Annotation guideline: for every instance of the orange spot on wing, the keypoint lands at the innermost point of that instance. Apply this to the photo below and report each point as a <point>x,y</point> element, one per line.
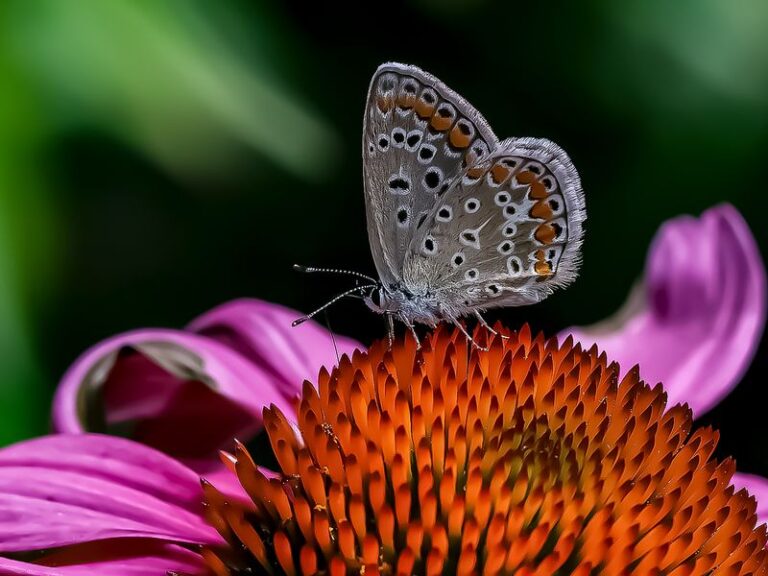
<point>542,268</point>
<point>406,101</point>
<point>545,233</point>
<point>541,210</point>
<point>538,190</point>
<point>384,103</point>
<point>459,139</point>
<point>441,123</point>
<point>476,172</point>
<point>499,173</point>
<point>424,109</point>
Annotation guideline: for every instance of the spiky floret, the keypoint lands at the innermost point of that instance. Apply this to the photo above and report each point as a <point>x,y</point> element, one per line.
<point>530,458</point>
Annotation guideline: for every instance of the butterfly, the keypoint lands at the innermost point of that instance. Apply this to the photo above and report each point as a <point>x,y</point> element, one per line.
<point>458,221</point>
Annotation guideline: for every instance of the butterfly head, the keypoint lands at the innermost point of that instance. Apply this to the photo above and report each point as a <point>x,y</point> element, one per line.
<point>398,301</point>
<point>381,301</point>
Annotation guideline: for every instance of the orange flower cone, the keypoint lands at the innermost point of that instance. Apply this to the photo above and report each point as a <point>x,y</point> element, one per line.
<point>530,458</point>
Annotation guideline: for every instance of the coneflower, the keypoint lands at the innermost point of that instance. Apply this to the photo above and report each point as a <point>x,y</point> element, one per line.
<point>531,458</point>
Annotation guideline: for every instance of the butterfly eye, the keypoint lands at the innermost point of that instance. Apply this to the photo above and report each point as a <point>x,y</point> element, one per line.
<point>509,230</point>
<point>509,211</point>
<point>383,142</point>
<point>493,289</point>
<point>457,259</point>
<point>377,297</point>
<point>471,274</point>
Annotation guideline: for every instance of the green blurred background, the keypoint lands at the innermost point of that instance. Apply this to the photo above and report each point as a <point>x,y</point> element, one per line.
<point>158,158</point>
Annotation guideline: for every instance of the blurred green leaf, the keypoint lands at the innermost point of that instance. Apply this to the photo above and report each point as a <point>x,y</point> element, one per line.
<point>25,232</point>
<point>145,71</point>
<point>722,43</point>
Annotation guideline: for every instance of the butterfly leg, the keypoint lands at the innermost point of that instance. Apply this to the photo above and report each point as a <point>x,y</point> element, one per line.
<point>487,326</point>
<point>412,328</point>
<point>390,330</point>
<point>469,337</point>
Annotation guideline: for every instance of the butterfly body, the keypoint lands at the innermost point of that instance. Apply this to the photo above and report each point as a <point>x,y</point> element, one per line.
<point>458,221</point>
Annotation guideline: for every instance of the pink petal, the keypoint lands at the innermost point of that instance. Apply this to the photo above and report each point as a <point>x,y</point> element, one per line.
<point>263,333</point>
<point>757,486</point>
<point>158,386</point>
<point>185,394</point>
<point>226,482</point>
<point>695,323</point>
<point>112,558</point>
<point>63,490</point>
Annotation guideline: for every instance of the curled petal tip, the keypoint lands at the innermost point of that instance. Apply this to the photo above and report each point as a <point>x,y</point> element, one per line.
<point>695,322</point>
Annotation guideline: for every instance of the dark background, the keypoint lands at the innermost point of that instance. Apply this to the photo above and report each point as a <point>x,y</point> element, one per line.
<point>160,158</point>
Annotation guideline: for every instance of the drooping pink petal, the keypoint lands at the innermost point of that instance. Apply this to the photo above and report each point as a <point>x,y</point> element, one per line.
<point>111,558</point>
<point>69,489</point>
<point>757,486</point>
<point>696,321</point>
<point>262,332</point>
<point>182,393</point>
<point>189,393</point>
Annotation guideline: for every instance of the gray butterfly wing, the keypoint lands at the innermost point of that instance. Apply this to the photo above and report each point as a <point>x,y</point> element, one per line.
<point>418,137</point>
<point>506,234</point>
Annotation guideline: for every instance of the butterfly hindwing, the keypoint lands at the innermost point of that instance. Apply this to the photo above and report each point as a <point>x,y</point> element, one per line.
<point>418,137</point>
<point>507,233</point>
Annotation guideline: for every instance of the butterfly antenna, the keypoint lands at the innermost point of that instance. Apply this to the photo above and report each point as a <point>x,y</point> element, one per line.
<point>311,269</point>
<point>332,302</point>
<point>333,337</point>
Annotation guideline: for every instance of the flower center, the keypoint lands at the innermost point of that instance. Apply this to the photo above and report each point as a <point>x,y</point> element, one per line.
<point>530,458</point>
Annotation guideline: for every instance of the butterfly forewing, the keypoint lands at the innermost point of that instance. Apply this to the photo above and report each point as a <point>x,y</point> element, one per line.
<point>507,233</point>
<point>418,139</point>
